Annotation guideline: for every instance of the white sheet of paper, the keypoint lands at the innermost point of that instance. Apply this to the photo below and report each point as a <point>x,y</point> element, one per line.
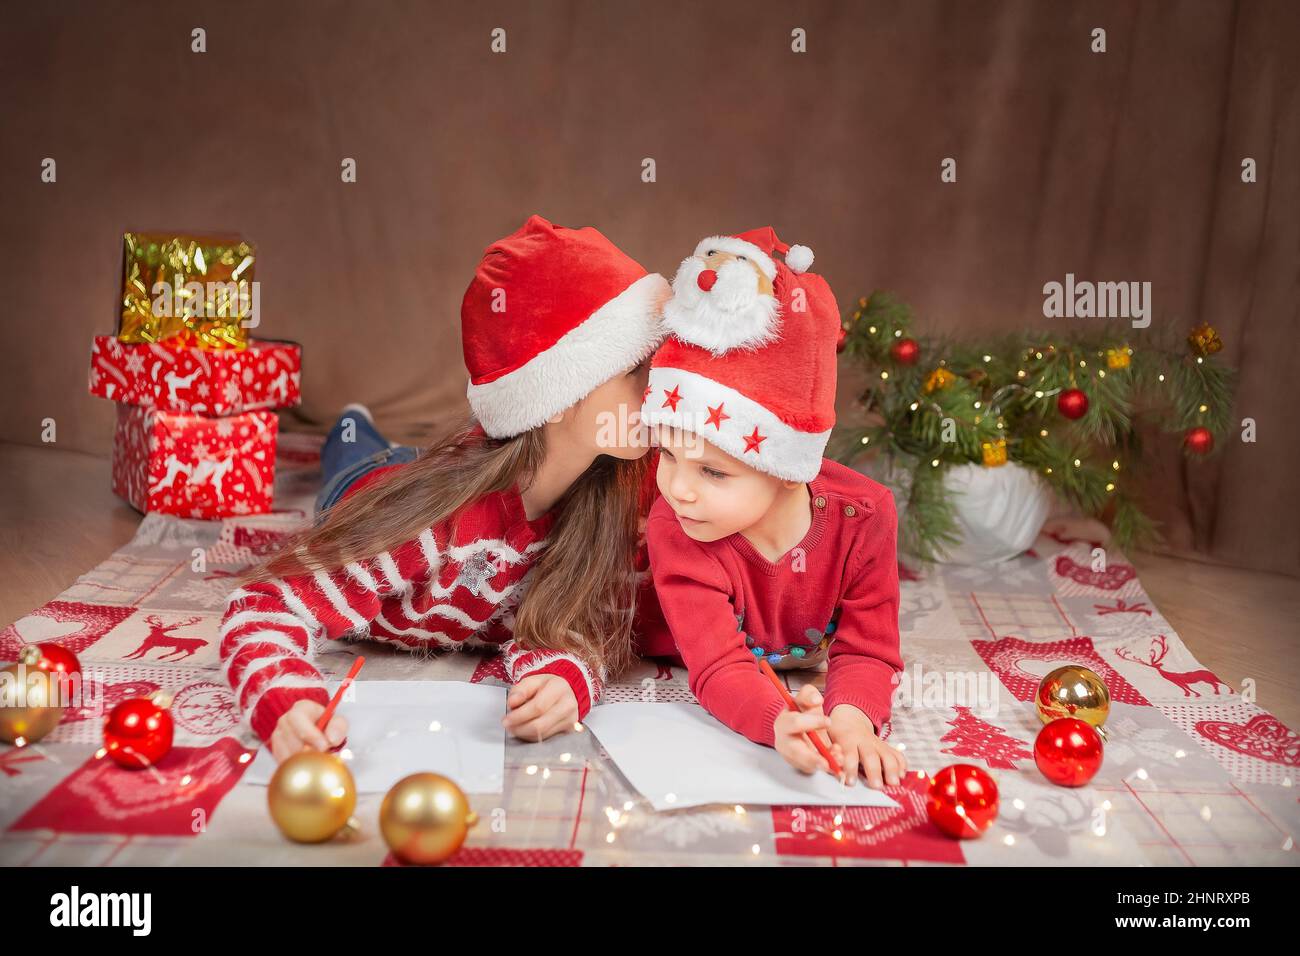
<point>677,755</point>
<point>396,728</point>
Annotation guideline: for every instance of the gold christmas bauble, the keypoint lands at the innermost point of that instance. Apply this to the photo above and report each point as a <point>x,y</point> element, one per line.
<point>311,796</point>
<point>425,818</point>
<point>1073,691</point>
<point>1204,340</point>
<point>31,704</point>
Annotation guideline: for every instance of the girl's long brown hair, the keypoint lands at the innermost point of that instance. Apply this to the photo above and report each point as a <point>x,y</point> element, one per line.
<point>581,592</point>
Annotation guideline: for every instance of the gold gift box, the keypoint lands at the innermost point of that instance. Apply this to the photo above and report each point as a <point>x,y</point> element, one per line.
<point>187,290</point>
<point>994,452</point>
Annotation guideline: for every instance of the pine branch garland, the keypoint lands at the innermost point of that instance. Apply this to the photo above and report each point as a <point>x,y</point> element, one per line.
<point>959,398</point>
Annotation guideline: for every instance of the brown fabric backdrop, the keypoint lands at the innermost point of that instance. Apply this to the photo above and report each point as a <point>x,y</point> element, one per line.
<point>1122,166</point>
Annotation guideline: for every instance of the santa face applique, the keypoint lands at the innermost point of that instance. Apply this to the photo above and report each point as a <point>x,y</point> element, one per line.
<point>722,300</point>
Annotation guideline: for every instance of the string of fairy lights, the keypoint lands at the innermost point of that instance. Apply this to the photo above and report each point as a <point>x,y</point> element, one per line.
<point>1069,407</point>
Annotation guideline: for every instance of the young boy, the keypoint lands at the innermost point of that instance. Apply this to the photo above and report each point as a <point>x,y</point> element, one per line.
<point>759,547</point>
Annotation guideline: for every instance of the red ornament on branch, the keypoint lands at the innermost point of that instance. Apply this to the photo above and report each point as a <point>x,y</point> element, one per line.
<point>1072,403</point>
<point>1068,752</point>
<point>905,351</point>
<point>138,732</point>
<point>842,339</point>
<point>962,801</point>
<point>1199,440</point>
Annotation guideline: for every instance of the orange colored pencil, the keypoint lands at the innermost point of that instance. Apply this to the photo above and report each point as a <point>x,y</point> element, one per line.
<point>338,694</point>
<point>822,749</point>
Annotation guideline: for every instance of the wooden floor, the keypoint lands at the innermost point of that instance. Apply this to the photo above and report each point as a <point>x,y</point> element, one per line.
<point>58,519</point>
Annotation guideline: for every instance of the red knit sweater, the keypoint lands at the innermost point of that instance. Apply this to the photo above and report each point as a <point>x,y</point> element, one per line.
<point>716,594</point>
<point>650,632</point>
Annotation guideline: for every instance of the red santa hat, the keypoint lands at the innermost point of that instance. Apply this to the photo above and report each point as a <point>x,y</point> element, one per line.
<point>551,314</point>
<point>749,364</point>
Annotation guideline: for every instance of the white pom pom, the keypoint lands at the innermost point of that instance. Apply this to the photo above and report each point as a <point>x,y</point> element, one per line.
<point>799,258</point>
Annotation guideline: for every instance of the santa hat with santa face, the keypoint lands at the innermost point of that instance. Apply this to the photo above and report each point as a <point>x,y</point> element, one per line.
<point>750,361</point>
<point>551,314</point>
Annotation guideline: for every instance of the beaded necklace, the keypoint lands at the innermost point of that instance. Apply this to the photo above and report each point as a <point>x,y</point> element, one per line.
<point>816,642</point>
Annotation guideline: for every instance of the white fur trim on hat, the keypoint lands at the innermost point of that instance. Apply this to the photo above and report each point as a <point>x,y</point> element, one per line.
<point>739,247</point>
<point>617,336</point>
<point>785,452</point>
<point>799,258</point>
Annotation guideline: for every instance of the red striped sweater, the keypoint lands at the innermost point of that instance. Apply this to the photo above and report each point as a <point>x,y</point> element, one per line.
<point>428,593</point>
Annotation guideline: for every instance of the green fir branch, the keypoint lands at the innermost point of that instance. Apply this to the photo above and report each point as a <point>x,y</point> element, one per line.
<point>1008,387</point>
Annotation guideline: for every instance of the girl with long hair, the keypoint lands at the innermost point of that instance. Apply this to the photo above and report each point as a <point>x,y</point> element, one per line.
<point>520,529</point>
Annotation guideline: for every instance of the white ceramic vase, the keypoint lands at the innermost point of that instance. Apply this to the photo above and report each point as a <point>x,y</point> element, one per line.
<point>999,510</point>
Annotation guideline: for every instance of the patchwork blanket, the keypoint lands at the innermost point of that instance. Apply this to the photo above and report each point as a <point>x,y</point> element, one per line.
<point>1194,772</point>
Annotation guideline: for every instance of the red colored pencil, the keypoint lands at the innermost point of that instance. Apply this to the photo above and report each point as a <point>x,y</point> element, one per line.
<point>338,695</point>
<point>789,702</point>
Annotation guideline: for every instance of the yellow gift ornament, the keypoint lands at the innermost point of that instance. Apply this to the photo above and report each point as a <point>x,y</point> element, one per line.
<point>994,452</point>
<point>188,290</point>
<point>1119,358</point>
<point>939,378</point>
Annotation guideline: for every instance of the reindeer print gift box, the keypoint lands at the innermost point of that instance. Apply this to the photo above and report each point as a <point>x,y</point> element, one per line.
<point>266,374</point>
<point>192,465</point>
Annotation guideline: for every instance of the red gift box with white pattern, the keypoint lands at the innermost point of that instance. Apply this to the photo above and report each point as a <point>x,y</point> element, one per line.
<point>266,374</point>
<point>192,465</point>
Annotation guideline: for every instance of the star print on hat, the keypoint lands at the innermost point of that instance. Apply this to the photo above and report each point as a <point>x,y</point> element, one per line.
<point>551,314</point>
<point>750,362</point>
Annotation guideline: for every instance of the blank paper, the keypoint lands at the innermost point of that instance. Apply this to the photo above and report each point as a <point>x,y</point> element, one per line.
<point>677,755</point>
<point>396,728</point>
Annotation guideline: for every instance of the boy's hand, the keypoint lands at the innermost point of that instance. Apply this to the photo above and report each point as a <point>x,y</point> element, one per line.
<point>853,731</point>
<point>541,705</point>
<point>296,731</point>
<point>790,728</point>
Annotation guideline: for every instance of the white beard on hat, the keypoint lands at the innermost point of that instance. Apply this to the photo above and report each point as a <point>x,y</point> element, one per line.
<point>734,314</point>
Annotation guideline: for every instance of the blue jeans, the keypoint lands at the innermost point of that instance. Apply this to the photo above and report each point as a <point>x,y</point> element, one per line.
<point>343,462</point>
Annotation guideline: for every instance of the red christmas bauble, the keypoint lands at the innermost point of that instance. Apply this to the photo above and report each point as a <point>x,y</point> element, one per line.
<point>1072,403</point>
<point>905,351</point>
<point>1068,751</point>
<point>1199,440</point>
<point>58,659</point>
<point>962,801</point>
<point>841,339</point>
<point>138,733</point>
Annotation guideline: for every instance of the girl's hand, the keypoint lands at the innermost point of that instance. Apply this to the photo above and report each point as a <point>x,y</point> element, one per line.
<point>541,706</point>
<point>863,750</point>
<point>789,729</point>
<point>296,731</point>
